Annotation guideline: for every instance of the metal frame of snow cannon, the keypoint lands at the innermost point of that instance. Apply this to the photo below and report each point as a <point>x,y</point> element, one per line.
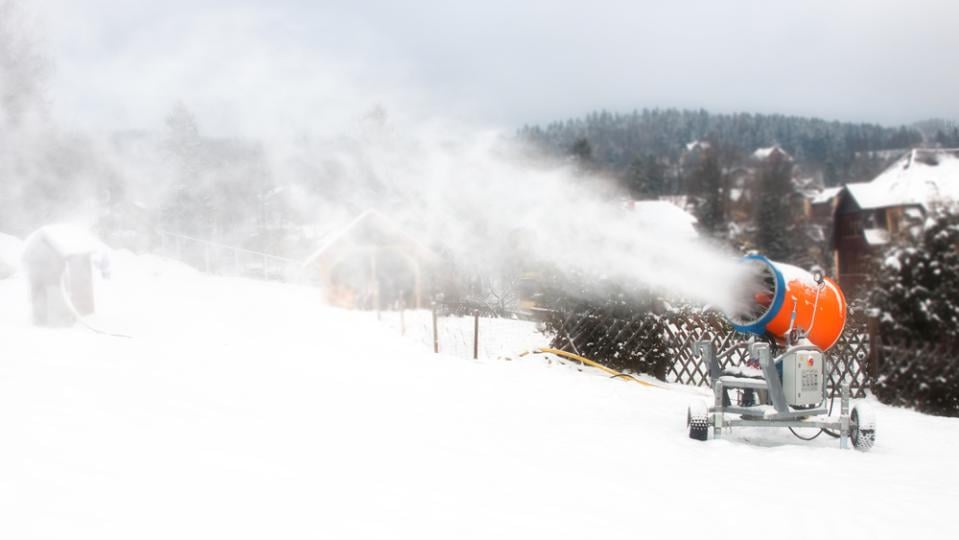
<point>776,413</point>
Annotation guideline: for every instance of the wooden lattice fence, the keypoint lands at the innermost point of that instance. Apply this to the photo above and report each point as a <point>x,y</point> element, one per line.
<point>850,359</point>
<point>662,345</point>
<point>634,343</point>
<point>682,331</point>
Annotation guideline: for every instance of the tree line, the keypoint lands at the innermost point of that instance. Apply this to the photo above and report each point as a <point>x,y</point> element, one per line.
<point>653,140</point>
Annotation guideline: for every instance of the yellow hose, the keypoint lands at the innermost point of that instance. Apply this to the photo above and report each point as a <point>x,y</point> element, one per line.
<point>591,363</point>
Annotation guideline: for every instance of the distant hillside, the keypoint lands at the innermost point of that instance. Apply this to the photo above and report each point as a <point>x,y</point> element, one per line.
<point>615,140</point>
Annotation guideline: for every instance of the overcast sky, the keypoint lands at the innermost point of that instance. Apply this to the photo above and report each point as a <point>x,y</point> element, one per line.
<point>240,63</point>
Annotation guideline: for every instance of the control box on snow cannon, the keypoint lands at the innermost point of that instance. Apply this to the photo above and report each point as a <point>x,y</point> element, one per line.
<point>786,302</point>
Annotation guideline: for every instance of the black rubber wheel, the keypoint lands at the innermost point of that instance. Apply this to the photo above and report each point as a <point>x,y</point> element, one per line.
<point>698,425</point>
<point>862,439</point>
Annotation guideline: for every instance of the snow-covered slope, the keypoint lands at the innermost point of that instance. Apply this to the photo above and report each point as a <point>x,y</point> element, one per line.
<point>248,410</point>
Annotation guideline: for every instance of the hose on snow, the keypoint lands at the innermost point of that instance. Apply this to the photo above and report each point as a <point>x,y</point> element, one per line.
<point>76,314</point>
<point>591,363</point>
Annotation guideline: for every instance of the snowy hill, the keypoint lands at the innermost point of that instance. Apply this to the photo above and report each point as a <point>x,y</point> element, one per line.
<point>240,409</point>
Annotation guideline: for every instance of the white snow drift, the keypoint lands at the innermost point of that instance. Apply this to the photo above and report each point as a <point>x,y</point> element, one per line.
<point>249,410</point>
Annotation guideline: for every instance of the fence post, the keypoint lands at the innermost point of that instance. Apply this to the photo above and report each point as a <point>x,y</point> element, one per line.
<point>662,329</point>
<point>872,326</point>
<point>475,334</point>
<point>436,338</point>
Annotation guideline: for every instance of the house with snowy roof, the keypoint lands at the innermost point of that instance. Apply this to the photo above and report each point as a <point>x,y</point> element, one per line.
<point>769,152</point>
<point>371,262</point>
<point>867,215</point>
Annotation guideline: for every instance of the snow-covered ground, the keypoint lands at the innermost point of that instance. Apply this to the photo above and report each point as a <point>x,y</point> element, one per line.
<point>240,409</point>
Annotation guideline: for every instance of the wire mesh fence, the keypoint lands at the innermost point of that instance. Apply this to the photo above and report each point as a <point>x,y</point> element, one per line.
<point>221,259</point>
<point>920,375</point>
<point>465,336</point>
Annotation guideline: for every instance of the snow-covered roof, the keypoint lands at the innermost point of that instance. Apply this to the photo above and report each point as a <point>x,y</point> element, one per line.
<point>920,177</point>
<point>697,145</point>
<point>69,240</point>
<point>379,221</point>
<point>663,215</point>
<point>809,186</point>
<point>826,195</point>
<point>680,201</point>
<point>763,154</point>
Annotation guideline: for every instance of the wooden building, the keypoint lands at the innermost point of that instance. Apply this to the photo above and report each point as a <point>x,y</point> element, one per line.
<point>867,216</point>
<point>372,263</point>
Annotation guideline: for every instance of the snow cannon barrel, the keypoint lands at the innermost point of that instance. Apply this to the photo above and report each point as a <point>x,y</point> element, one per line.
<point>777,298</point>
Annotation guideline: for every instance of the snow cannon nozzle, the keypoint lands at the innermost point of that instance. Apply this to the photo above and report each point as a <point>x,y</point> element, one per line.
<point>788,302</point>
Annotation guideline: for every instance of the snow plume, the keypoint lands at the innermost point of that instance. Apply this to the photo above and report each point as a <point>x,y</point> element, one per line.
<point>337,130</point>
<point>46,173</point>
<point>483,198</point>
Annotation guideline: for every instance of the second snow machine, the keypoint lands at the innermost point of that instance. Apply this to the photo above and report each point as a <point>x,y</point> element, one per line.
<point>805,312</point>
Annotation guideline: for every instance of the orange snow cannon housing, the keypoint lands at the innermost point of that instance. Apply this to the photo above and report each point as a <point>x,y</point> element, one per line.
<point>779,298</point>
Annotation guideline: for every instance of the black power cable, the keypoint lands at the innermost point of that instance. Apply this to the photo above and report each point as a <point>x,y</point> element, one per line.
<point>800,437</point>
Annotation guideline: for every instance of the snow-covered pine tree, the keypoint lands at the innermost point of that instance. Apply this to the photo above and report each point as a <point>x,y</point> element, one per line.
<point>582,153</point>
<point>774,214</point>
<point>708,177</point>
<point>916,287</point>
<point>646,178</point>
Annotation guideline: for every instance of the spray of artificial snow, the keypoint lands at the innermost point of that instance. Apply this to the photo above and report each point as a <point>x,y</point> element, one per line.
<point>474,194</point>
<point>479,197</point>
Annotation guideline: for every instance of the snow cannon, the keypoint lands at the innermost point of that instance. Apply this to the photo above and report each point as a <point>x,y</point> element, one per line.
<point>788,303</point>
<point>806,313</point>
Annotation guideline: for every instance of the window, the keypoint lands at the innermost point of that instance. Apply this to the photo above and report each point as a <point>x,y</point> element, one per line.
<point>850,226</point>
